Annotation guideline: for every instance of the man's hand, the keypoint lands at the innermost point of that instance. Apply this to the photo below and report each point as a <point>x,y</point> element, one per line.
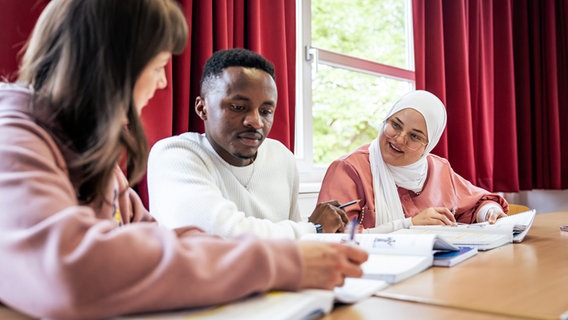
<point>331,218</point>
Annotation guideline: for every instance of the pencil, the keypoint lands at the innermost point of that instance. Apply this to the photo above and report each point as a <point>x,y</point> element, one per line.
<point>350,203</point>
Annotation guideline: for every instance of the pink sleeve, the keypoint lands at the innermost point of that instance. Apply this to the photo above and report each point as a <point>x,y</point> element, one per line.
<point>453,191</point>
<point>471,198</point>
<point>63,260</point>
<point>349,178</point>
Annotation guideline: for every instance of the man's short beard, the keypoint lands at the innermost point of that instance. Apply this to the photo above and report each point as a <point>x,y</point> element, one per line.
<point>243,157</point>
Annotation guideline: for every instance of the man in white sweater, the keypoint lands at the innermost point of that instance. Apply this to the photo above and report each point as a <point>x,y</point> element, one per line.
<point>232,179</point>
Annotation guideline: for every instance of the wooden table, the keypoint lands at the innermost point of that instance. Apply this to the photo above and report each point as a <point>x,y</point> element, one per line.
<point>522,280</point>
<point>392,309</point>
<point>10,314</point>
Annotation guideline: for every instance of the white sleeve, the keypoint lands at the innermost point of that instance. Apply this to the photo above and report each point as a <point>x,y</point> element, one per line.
<point>295,214</point>
<point>482,212</point>
<point>391,226</point>
<point>184,189</point>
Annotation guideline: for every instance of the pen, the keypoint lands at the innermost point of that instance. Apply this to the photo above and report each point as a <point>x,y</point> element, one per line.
<point>352,231</point>
<point>350,203</point>
<point>352,227</point>
<point>454,214</point>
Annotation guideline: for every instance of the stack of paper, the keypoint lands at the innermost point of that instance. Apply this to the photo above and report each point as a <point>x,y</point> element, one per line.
<point>483,236</point>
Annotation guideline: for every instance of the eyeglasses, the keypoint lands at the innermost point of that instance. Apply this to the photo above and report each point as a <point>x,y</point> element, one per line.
<point>413,141</point>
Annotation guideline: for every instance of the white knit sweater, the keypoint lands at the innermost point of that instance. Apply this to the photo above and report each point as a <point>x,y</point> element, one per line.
<point>190,184</point>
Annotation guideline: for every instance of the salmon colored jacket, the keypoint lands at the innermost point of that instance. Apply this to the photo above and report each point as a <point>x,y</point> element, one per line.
<point>63,260</point>
<point>349,178</point>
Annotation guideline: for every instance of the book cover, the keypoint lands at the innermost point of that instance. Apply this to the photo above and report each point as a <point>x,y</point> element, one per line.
<point>451,258</point>
<point>276,305</point>
<point>357,289</point>
<point>521,222</point>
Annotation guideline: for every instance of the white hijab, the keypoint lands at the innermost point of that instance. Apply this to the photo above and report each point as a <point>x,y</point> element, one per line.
<point>386,178</point>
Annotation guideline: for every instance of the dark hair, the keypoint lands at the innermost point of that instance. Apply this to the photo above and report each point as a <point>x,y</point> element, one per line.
<point>82,60</point>
<point>237,57</point>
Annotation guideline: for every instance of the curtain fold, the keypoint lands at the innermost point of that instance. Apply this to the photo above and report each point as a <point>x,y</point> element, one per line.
<point>500,67</point>
<point>17,19</point>
<point>505,167</point>
<point>265,26</point>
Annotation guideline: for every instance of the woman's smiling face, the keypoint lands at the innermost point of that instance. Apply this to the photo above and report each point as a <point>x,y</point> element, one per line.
<point>394,150</point>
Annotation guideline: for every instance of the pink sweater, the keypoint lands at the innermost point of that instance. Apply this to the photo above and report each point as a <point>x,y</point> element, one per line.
<point>63,260</point>
<point>349,178</point>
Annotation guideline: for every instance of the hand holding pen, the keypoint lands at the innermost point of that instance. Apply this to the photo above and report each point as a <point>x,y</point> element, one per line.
<point>434,216</point>
<point>329,216</point>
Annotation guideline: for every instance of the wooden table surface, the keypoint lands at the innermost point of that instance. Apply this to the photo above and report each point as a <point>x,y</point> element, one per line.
<point>525,280</point>
<point>522,280</point>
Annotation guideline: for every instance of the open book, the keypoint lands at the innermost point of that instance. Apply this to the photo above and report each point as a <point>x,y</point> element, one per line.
<point>483,236</point>
<point>277,305</point>
<point>392,257</point>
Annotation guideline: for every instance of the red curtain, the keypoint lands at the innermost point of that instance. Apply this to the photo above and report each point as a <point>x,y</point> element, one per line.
<point>264,26</point>
<point>17,19</point>
<point>500,67</point>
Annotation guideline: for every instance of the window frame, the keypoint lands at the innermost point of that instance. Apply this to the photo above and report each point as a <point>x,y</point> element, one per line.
<point>308,57</point>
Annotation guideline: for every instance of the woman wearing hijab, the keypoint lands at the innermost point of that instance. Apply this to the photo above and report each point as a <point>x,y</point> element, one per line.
<point>400,183</point>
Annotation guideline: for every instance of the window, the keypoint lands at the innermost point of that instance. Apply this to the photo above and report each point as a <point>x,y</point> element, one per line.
<point>355,59</point>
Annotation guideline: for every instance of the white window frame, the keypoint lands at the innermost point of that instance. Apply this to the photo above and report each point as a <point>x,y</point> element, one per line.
<point>308,57</point>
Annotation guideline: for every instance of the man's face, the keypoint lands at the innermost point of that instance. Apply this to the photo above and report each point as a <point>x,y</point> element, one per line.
<point>238,110</point>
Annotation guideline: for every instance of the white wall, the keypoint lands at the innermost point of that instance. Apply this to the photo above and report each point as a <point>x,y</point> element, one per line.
<point>307,202</point>
<point>541,200</point>
<point>307,199</point>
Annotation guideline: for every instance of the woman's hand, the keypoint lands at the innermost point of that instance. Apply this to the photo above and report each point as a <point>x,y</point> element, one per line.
<point>325,265</point>
<point>493,214</point>
<point>434,216</point>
